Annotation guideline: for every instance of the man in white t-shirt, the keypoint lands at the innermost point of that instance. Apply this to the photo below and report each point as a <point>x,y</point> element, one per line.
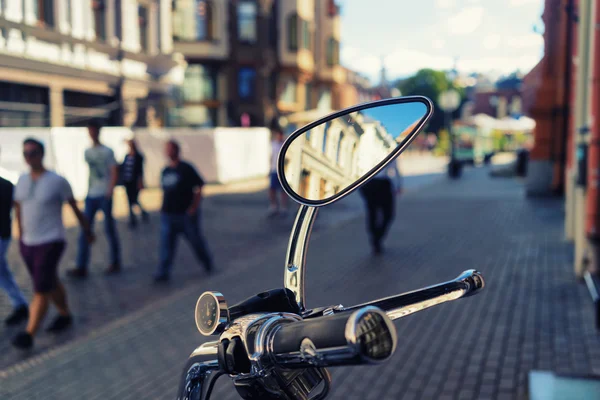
<point>39,197</point>
<point>102,181</point>
<point>274,184</point>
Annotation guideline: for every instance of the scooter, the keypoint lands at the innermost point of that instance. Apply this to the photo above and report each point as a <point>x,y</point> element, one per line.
<point>271,345</point>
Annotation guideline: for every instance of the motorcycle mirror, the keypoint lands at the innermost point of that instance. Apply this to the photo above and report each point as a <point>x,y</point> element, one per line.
<point>333,156</point>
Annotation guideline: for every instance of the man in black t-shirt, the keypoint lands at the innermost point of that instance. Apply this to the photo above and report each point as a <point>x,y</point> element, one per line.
<point>180,212</point>
<point>7,282</point>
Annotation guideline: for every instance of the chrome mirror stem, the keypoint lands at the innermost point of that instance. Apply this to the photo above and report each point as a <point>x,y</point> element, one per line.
<point>295,270</point>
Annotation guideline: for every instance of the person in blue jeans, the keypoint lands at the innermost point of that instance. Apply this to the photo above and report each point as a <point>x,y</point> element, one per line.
<point>180,212</point>
<point>103,178</point>
<point>274,184</point>
<point>7,282</point>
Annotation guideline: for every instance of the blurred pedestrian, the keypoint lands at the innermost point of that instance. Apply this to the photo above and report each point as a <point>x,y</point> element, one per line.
<point>379,194</point>
<point>102,180</point>
<point>180,212</point>
<point>274,184</point>
<point>7,281</point>
<point>39,198</point>
<point>132,178</point>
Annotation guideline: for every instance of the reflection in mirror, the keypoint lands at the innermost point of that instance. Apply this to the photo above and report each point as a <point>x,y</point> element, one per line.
<point>330,157</point>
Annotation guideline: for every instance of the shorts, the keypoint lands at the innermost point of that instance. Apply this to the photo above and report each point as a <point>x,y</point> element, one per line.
<point>42,263</point>
<point>274,182</point>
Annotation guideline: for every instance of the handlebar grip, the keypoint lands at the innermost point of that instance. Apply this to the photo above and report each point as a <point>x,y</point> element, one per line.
<point>364,336</point>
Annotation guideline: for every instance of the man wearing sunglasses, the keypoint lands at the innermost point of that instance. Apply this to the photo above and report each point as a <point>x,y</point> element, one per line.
<point>39,198</point>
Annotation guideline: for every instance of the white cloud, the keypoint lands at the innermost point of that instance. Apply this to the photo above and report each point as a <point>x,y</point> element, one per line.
<point>402,62</point>
<point>465,21</point>
<point>445,3</point>
<point>502,65</point>
<point>519,3</point>
<point>525,41</point>
<point>348,52</point>
<point>492,42</point>
<point>438,43</point>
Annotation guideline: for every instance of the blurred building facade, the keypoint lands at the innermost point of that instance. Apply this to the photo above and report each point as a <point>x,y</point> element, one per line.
<point>355,88</point>
<point>65,61</point>
<point>251,62</point>
<point>563,94</point>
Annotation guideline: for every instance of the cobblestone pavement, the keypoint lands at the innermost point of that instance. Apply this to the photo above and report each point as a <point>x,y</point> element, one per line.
<point>532,314</point>
<point>236,227</point>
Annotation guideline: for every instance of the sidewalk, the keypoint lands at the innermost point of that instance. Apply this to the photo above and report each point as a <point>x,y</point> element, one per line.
<point>531,315</point>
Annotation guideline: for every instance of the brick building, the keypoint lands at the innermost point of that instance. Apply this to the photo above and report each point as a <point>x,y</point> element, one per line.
<point>251,61</point>
<point>64,61</point>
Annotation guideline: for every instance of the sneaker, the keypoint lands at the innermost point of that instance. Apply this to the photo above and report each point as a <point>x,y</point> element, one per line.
<point>19,315</point>
<point>23,341</point>
<point>78,273</point>
<point>113,269</point>
<point>60,323</point>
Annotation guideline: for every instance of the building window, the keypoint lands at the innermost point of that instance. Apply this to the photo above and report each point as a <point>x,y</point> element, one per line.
<point>292,26</point>
<point>246,15</point>
<point>339,148</point>
<point>143,26</point>
<point>324,102</point>
<point>200,84</point>
<point>332,8</point>
<point>306,35</point>
<point>98,9</point>
<point>194,116</point>
<point>333,52</point>
<point>308,96</point>
<point>325,133</point>
<point>44,12</point>
<point>193,20</point>
<point>289,92</point>
<point>205,20</point>
<point>246,83</point>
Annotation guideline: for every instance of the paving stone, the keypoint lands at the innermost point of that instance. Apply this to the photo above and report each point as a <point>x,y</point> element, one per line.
<point>139,341</point>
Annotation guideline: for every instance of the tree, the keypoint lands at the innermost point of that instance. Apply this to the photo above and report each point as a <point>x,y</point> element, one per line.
<point>431,83</point>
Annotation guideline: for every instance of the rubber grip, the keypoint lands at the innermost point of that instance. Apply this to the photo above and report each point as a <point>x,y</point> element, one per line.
<point>325,332</point>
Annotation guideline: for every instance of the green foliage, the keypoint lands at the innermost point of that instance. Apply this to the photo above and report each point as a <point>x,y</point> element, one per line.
<point>443,144</point>
<point>431,83</point>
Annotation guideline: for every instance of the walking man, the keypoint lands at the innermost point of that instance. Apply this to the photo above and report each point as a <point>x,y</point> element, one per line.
<point>39,198</point>
<point>132,178</point>
<point>274,184</point>
<point>102,181</point>
<point>7,282</point>
<point>180,212</point>
<point>379,194</point>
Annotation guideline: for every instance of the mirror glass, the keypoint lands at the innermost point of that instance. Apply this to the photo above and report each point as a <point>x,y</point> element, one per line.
<point>325,160</point>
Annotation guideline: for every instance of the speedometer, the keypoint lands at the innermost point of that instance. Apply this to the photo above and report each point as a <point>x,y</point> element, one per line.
<point>212,314</point>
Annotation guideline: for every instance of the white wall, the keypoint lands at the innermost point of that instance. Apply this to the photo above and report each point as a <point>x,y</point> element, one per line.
<point>221,155</point>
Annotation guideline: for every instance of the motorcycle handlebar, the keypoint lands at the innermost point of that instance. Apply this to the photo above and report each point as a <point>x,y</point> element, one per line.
<point>365,336</point>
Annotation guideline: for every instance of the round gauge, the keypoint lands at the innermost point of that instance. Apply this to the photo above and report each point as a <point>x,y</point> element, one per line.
<point>212,314</point>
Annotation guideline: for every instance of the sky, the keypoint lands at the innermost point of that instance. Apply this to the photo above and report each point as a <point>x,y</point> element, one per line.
<point>490,36</point>
<point>397,117</point>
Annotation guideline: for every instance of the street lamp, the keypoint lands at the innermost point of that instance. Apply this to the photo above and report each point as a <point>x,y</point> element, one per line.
<point>449,101</point>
